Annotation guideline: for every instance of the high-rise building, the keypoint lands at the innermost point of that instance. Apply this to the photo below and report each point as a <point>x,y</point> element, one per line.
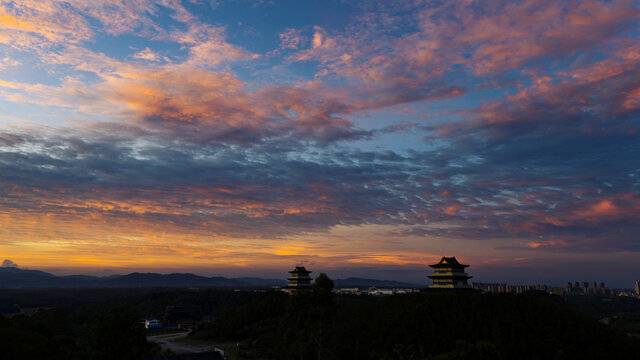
<point>638,288</point>
<point>299,279</point>
<point>449,274</point>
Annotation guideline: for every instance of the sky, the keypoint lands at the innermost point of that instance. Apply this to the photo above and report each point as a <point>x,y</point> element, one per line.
<point>356,138</point>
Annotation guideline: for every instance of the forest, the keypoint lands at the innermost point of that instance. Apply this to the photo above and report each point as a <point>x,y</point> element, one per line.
<point>96,323</point>
<point>427,325</point>
<point>317,324</point>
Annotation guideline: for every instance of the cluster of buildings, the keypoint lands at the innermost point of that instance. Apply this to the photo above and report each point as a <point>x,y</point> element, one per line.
<point>584,288</point>
<point>570,289</point>
<point>635,292</point>
<point>495,288</point>
<point>450,274</point>
<point>374,291</point>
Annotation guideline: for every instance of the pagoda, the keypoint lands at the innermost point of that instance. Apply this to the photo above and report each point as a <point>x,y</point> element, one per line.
<point>449,274</point>
<point>299,279</point>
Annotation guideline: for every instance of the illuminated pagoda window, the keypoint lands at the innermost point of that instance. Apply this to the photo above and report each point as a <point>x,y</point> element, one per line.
<point>299,279</point>
<point>449,274</point>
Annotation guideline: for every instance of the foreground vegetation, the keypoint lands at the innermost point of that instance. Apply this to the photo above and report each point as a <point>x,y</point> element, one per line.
<point>104,324</point>
<point>427,325</point>
<point>45,334</point>
<point>96,323</point>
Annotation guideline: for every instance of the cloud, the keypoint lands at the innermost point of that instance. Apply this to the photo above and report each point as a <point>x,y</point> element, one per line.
<point>290,38</point>
<point>146,54</point>
<point>505,35</point>
<point>197,98</point>
<point>524,189</point>
<point>76,178</point>
<point>194,98</point>
<point>593,98</point>
<point>207,46</point>
<point>479,39</point>
<point>533,146</point>
<point>28,24</point>
<point>125,16</point>
<point>193,103</point>
<point>44,24</point>
<point>6,263</point>
<point>8,62</point>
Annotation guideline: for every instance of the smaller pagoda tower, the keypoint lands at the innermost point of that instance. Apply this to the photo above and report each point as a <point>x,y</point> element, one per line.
<point>299,279</point>
<point>449,274</point>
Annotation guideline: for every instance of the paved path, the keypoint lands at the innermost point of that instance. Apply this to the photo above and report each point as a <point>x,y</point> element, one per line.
<point>167,341</point>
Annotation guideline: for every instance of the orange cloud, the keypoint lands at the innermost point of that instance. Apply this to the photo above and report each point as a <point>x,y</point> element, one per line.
<point>632,99</point>
<point>41,23</point>
<point>453,209</point>
<point>546,244</point>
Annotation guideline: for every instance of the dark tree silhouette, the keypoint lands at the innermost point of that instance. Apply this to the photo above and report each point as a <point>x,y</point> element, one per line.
<point>323,284</point>
<point>118,334</point>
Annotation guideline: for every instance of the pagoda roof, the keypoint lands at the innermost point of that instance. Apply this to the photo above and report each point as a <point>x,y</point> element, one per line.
<point>300,269</point>
<point>448,262</point>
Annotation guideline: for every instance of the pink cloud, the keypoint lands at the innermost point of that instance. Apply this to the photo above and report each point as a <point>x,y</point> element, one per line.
<point>487,38</point>
<point>506,35</point>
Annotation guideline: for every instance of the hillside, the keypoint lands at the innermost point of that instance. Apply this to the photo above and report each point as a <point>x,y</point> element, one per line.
<point>427,325</point>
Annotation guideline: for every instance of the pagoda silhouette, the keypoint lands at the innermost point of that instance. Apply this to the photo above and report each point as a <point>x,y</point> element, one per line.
<point>449,274</point>
<point>299,280</point>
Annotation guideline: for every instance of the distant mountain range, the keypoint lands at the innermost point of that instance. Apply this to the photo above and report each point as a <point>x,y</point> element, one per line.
<point>15,278</point>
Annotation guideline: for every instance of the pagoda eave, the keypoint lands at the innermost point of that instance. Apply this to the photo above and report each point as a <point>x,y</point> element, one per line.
<point>434,276</point>
<point>455,266</point>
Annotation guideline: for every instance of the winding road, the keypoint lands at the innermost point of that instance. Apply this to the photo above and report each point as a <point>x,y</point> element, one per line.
<point>167,341</point>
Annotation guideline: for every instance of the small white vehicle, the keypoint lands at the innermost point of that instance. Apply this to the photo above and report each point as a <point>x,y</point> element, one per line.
<point>152,324</point>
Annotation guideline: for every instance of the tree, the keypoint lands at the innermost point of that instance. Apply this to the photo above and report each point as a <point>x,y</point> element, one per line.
<point>323,284</point>
<point>117,335</point>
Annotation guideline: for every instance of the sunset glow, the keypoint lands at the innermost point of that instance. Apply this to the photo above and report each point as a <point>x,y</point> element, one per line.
<point>367,138</point>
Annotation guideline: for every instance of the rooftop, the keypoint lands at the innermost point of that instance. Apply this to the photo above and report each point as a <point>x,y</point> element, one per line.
<point>300,269</point>
<point>448,262</point>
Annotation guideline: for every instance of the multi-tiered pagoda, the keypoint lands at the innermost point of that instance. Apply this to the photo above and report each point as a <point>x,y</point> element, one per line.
<point>449,274</point>
<point>299,279</point>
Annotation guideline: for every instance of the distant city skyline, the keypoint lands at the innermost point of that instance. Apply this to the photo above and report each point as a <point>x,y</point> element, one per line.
<point>369,137</point>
